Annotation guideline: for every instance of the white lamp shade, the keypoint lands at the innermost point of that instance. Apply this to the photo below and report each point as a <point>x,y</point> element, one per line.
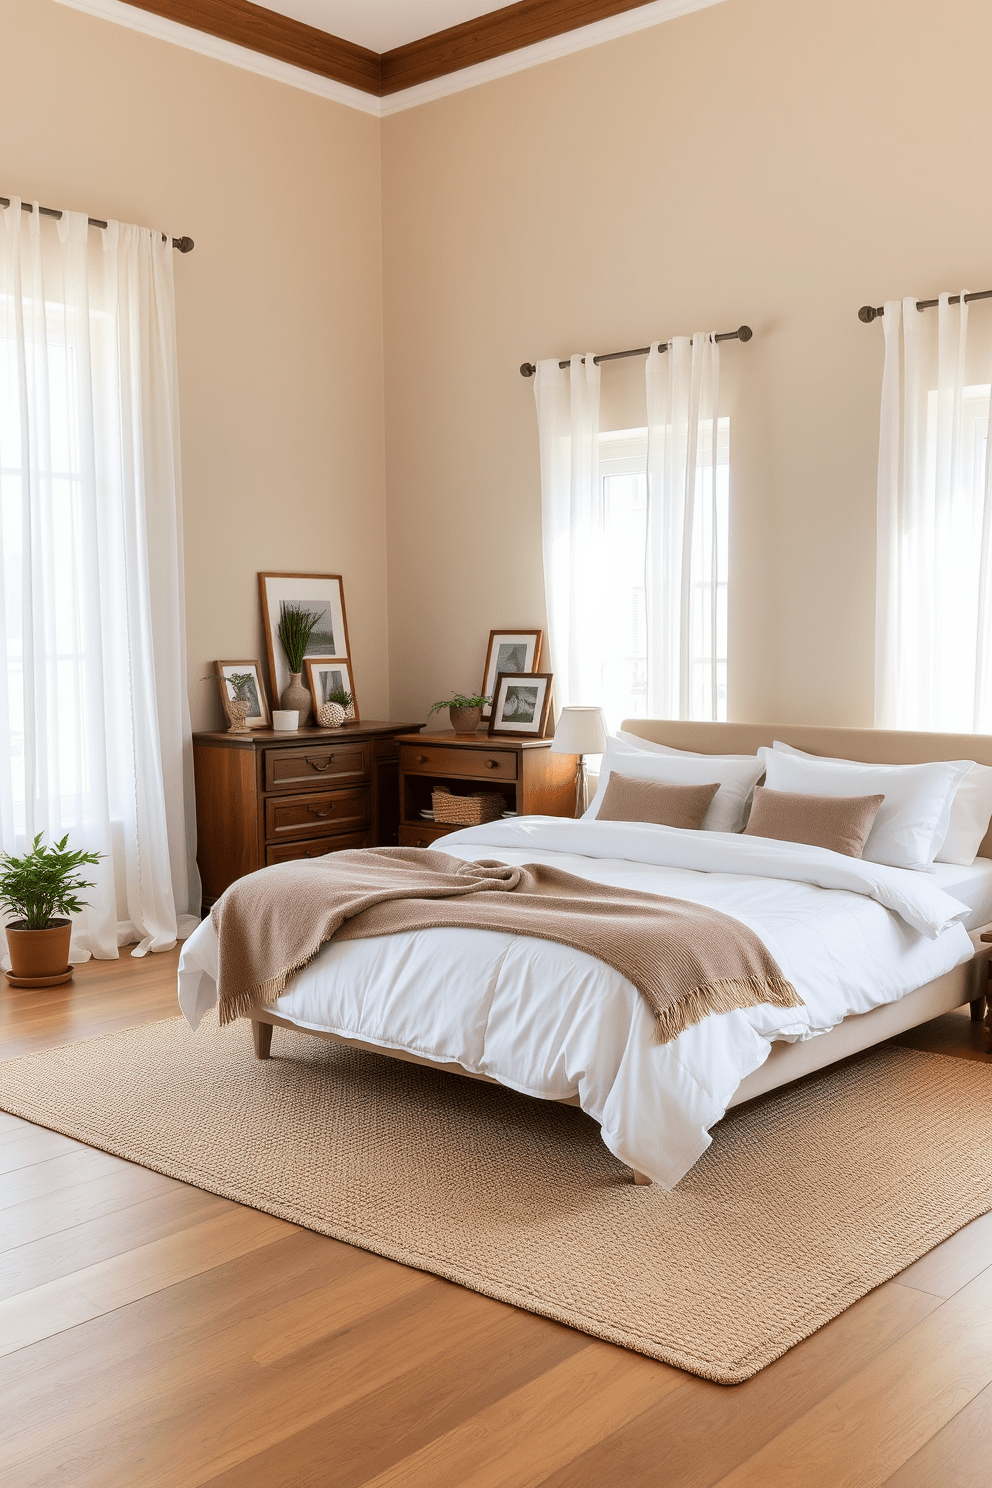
<point>580,731</point>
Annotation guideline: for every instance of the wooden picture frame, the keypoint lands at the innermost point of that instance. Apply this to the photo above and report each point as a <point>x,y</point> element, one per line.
<point>510,651</point>
<point>259,719</point>
<point>314,591</point>
<point>521,705</point>
<point>316,668</point>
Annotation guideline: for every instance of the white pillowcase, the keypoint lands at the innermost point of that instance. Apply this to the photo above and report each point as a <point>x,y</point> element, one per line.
<point>737,777</point>
<point>970,813</point>
<point>633,741</point>
<point>912,820</point>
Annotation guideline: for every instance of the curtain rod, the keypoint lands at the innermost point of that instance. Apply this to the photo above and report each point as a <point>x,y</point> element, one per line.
<point>742,333</point>
<point>185,245</point>
<point>868,313</point>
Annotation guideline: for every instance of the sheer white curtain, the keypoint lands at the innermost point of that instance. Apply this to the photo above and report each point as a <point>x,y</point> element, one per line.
<point>93,699</point>
<point>932,648</point>
<point>573,523</point>
<point>686,562</point>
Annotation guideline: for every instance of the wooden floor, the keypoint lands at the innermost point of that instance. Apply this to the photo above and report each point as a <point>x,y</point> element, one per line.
<point>168,1337</point>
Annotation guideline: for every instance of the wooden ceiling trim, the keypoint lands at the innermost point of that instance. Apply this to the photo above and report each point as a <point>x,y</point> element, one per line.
<point>276,36</point>
<point>491,35</point>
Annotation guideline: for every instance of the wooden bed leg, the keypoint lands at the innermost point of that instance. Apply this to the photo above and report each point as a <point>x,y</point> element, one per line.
<point>641,1179</point>
<point>978,1008</point>
<point>261,1034</point>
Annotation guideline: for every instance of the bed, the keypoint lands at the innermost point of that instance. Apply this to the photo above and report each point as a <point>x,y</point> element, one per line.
<point>872,950</point>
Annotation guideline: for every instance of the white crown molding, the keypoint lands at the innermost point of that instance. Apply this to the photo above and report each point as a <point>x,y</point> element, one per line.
<point>645,16</point>
<point>226,51</point>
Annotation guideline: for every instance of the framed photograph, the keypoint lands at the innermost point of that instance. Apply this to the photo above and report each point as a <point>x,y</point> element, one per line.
<point>521,704</point>
<point>323,594</point>
<point>325,675</point>
<point>259,715</point>
<point>510,651</point>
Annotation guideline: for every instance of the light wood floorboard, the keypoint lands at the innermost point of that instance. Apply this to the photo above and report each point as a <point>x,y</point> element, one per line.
<point>154,1336</point>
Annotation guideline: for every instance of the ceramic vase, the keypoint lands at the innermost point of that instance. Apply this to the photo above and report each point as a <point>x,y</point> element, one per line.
<point>465,720</point>
<point>295,695</point>
<point>239,708</point>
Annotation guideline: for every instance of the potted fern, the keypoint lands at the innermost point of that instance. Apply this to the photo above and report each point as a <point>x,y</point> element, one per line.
<point>336,709</point>
<point>464,711</point>
<point>41,889</point>
<point>240,703</point>
<point>296,625</point>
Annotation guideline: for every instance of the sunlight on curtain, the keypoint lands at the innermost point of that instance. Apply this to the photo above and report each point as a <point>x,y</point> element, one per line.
<point>932,654</point>
<point>92,647</point>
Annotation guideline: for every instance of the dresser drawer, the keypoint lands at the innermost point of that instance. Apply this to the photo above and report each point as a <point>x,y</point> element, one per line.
<point>478,764</point>
<point>423,836</point>
<point>318,847</point>
<point>317,815</point>
<point>324,764</point>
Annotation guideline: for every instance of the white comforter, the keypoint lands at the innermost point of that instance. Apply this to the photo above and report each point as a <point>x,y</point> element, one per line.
<point>554,1022</point>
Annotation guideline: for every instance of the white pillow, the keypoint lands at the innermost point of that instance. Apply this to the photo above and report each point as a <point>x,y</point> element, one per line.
<point>912,820</point>
<point>634,741</point>
<point>970,812</point>
<point>736,777</point>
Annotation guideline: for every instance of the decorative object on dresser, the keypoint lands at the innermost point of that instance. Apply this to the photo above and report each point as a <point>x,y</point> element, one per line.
<point>521,704</point>
<point>464,711</point>
<point>296,626</point>
<point>41,888</point>
<point>509,651</point>
<point>581,731</point>
<point>240,681</point>
<point>331,685</point>
<point>530,779</point>
<point>265,797</point>
<point>319,595</point>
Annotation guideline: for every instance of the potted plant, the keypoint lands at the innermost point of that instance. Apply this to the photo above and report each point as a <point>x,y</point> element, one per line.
<point>296,626</point>
<point>40,889</point>
<point>337,707</point>
<point>240,702</point>
<point>465,712</point>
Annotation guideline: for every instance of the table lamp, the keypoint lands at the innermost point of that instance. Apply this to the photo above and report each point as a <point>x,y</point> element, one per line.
<point>580,731</point>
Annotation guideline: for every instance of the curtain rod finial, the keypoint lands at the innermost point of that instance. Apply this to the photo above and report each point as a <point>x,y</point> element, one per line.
<point>185,245</point>
<point>527,369</point>
<point>868,313</point>
<point>744,333</point>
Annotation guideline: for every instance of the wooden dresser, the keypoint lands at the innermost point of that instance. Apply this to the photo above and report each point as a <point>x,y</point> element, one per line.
<point>265,797</point>
<point>531,779</point>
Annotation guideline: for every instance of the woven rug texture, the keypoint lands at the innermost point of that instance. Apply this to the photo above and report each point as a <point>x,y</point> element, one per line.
<point>807,1199</point>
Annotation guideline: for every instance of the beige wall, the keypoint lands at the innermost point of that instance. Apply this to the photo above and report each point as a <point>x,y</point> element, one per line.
<point>279,305</point>
<point>778,162</point>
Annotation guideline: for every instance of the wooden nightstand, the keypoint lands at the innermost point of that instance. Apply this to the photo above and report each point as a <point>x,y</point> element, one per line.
<point>531,779</point>
<point>266,797</point>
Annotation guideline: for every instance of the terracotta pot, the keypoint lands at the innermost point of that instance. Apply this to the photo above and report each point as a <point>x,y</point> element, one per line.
<point>295,695</point>
<point>239,709</point>
<point>465,720</point>
<point>39,955</point>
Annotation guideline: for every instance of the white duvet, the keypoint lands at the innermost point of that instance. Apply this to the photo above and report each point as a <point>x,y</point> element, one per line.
<point>554,1022</point>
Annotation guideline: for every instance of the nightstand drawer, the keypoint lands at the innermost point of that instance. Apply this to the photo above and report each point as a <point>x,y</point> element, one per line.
<point>324,764</point>
<point>319,847</point>
<point>317,816</point>
<point>478,764</point>
<point>423,836</point>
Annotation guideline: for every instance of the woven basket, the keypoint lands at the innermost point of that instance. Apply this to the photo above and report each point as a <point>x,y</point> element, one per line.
<point>467,811</point>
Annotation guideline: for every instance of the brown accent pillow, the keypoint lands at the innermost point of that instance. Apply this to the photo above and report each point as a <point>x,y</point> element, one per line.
<point>841,823</point>
<point>655,801</point>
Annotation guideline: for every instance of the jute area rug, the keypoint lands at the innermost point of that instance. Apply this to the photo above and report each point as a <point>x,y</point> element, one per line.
<point>807,1199</point>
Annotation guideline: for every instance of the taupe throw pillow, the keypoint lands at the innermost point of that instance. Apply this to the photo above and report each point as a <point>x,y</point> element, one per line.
<point>841,823</point>
<point>655,801</point>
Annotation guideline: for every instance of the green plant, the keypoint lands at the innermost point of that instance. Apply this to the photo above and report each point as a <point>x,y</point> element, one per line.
<point>45,882</point>
<point>296,626</point>
<point>479,700</point>
<point>342,698</point>
<point>239,683</point>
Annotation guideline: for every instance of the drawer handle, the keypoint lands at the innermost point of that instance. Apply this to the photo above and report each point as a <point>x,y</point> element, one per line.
<point>316,764</point>
<point>421,841</point>
<point>311,854</point>
<point>421,759</point>
<point>492,764</point>
<point>314,812</point>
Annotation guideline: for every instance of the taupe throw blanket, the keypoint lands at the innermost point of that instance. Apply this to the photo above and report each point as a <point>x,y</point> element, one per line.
<point>685,959</point>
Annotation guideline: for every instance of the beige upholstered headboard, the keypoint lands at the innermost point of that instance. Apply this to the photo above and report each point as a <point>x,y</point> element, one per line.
<point>877,746</point>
